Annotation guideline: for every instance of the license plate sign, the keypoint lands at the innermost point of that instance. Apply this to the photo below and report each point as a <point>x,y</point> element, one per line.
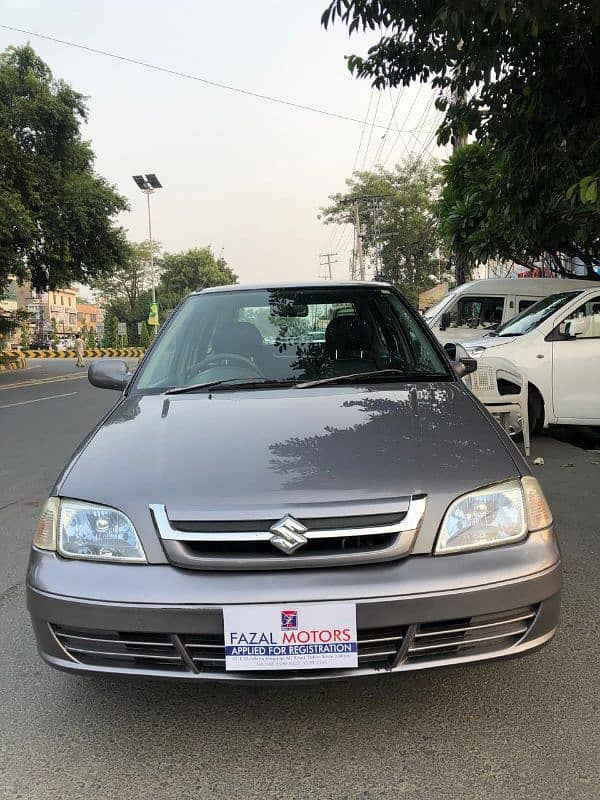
<point>291,636</point>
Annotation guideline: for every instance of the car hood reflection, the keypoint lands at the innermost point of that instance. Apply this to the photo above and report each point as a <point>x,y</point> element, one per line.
<point>267,449</point>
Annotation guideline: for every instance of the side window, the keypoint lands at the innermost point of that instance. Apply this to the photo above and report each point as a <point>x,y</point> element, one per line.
<point>584,322</point>
<point>523,304</point>
<point>477,312</point>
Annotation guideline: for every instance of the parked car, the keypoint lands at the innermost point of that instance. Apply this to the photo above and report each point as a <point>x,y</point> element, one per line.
<point>477,307</point>
<point>40,344</point>
<point>556,343</point>
<point>285,512</point>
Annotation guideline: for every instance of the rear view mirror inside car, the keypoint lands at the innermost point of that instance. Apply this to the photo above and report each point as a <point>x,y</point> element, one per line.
<point>288,308</point>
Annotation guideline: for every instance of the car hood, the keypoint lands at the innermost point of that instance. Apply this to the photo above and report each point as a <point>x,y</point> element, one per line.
<point>262,453</point>
<point>489,341</point>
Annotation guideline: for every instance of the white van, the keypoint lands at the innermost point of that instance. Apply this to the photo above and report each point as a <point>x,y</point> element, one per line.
<point>556,343</point>
<point>473,309</point>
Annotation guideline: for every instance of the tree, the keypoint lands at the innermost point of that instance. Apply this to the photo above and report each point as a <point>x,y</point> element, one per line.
<point>524,79</point>
<point>56,214</point>
<point>396,209</point>
<point>90,338</point>
<point>10,321</point>
<point>110,331</point>
<point>130,280</point>
<point>144,336</point>
<point>189,271</point>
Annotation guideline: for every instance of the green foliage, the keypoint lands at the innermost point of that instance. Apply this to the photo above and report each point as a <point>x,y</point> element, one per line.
<point>10,321</point>
<point>90,339</point>
<point>130,280</point>
<point>144,336</point>
<point>110,331</point>
<point>54,334</point>
<point>189,271</point>
<point>402,201</point>
<point>56,215</point>
<point>526,81</point>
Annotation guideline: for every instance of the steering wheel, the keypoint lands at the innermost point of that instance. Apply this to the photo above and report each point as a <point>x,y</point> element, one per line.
<point>219,358</point>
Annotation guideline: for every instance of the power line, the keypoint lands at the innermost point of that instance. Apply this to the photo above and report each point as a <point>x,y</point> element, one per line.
<point>362,135</point>
<point>373,124</point>
<point>189,76</point>
<point>399,132</point>
<point>383,140</point>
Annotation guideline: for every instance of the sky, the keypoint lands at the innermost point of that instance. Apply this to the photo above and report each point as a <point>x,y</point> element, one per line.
<point>244,175</point>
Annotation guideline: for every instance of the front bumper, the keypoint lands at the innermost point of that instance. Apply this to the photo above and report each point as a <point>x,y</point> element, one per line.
<point>417,613</point>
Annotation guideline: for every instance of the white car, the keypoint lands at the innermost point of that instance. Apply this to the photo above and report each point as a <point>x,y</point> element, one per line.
<point>556,343</point>
<point>473,309</point>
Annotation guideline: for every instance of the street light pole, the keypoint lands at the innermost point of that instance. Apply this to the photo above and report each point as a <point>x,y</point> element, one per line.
<point>148,183</point>
<point>148,193</point>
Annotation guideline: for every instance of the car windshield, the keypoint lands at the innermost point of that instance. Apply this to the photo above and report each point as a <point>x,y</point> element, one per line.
<point>533,316</point>
<point>283,337</point>
<point>439,306</point>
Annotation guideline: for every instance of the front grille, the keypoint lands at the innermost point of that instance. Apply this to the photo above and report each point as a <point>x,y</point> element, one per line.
<point>121,649</point>
<point>403,646</point>
<point>249,544</point>
<point>313,523</point>
<point>377,647</point>
<point>314,547</point>
<point>470,636</point>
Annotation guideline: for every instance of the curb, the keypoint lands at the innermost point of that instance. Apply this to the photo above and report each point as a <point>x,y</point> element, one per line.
<point>17,363</point>
<point>98,352</point>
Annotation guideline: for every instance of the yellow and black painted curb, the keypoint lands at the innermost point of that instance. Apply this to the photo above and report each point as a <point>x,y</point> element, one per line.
<point>17,362</point>
<point>95,352</point>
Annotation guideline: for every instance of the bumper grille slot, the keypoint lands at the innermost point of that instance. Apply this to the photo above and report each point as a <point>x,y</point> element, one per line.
<point>378,648</point>
<point>120,649</point>
<point>481,634</point>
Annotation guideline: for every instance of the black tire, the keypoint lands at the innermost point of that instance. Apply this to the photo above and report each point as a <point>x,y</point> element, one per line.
<point>535,406</point>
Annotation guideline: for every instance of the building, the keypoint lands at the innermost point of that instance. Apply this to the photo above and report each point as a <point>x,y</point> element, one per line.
<point>432,296</point>
<point>91,317</point>
<point>52,310</point>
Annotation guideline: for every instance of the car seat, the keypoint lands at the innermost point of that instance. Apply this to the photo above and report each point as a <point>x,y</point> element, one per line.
<point>348,343</point>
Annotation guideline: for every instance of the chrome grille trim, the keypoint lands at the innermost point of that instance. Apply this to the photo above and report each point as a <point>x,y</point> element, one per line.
<point>373,544</point>
<point>409,522</point>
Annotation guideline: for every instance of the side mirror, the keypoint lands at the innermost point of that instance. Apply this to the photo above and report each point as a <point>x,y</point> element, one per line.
<point>445,320</point>
<point>461,361</point>
<point>109,373</point>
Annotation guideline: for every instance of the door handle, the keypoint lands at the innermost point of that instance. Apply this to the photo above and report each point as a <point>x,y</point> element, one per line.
<point>539,355</point>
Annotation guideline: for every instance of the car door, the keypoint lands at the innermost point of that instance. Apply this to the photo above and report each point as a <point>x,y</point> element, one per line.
<point>576,364</point>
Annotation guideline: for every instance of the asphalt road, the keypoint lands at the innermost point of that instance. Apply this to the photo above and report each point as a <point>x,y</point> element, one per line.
<point>517,729</point>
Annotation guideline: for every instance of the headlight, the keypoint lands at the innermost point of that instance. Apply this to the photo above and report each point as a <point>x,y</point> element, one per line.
<point>500,514</point>
<point>475,352</point>
<point>88,531</point>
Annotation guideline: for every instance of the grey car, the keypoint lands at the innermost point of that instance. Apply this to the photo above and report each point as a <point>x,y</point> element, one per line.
<point>294,484</point>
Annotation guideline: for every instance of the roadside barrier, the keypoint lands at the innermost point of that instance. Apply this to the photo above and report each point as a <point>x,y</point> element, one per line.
<point>11,360</point>
<point>94,352</point>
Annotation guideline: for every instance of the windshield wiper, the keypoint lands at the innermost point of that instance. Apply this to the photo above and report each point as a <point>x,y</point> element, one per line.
<point>374,375</point>
<point>229,383</point>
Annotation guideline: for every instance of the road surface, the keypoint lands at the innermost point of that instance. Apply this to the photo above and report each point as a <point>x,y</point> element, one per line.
<point>518,729</point>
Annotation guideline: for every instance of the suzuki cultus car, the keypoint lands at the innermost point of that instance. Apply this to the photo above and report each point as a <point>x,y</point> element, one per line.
<point>294,484</point>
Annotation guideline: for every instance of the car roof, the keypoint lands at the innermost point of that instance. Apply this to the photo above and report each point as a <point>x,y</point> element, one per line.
<point>244,287</point>
<point>541,286</point>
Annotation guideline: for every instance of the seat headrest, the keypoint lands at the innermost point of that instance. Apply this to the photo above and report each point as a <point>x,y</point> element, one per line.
<point>348,333</point>
<point>239,337</point>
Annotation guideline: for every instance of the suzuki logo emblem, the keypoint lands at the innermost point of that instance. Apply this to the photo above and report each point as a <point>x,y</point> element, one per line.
<point>288,534</point>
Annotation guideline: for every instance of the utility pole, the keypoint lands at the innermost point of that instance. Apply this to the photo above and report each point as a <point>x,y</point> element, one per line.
<point>359,247</point>
<point>327,263</point>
